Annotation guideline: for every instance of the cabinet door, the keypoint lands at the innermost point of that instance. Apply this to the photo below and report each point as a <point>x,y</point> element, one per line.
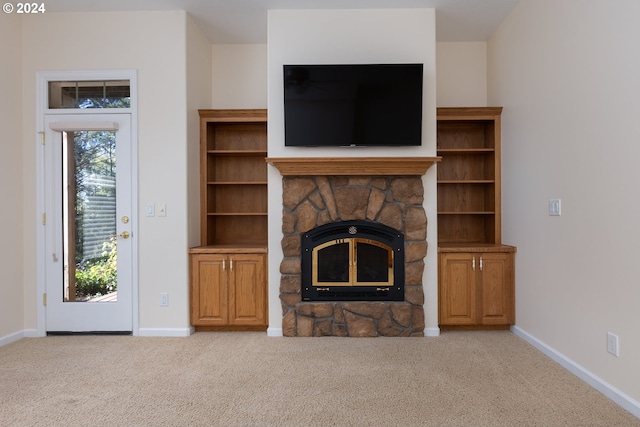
<point>209,290</point>
<point>247,289</point>
<point>497,289</point>
<point>457,290</point>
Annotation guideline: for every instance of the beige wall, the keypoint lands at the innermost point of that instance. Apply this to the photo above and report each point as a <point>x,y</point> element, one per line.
<point>330,36</point>
<point>239,76</point>
<point>198,97</point>
<point>12,217</point>
<point>461,74</point>
<point>566,73</point>
<point>68,41</point>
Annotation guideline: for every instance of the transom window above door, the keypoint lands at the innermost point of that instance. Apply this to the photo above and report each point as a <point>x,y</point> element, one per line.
<point>89,94</point>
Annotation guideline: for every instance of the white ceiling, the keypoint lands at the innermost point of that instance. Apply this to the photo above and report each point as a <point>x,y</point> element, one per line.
<point>245,21</point>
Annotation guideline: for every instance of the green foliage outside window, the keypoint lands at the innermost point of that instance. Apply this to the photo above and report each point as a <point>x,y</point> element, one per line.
<point>98,276</point>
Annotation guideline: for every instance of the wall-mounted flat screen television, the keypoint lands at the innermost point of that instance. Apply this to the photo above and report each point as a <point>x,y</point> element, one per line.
<point>353,105</point>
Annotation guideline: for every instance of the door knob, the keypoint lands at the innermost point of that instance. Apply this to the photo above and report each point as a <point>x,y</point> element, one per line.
<point>125,235</point>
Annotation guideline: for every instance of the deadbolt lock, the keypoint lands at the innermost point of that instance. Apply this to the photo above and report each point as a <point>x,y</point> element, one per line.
<point>125,219</point>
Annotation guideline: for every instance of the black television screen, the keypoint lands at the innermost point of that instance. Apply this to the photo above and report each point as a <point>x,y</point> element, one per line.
<point>353,105</point>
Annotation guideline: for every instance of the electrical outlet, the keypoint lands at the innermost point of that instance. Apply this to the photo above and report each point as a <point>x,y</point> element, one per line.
<point>164,299</point>
<point>613,346</point>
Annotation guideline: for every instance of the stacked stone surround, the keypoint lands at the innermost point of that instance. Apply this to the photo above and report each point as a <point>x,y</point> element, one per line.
<point>311,201</point>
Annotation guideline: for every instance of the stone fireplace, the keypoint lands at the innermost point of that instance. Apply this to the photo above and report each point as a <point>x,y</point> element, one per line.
<point>322,191</point>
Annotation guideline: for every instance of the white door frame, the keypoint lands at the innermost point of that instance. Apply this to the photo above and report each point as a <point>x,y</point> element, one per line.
<point>42,109</point>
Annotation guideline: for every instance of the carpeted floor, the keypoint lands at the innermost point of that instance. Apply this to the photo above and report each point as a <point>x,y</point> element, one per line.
<point>248,379</point>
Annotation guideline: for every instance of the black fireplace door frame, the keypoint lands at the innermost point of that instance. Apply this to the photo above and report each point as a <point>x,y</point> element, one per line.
<point>348,230</point>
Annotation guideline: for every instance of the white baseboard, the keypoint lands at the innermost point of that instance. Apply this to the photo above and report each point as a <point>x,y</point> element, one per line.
<point>593,380</point>
<point>165,332</point>
<point>17,336</point>
<point>274,332</point>
<point>8,339</point>
<point>431,332</point>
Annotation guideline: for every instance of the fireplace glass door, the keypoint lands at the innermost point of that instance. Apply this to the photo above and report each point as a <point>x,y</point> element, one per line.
<point>352,262</point>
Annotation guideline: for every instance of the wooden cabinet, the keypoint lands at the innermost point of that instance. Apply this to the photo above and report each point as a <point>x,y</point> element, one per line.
<point>228,272</point>
<point>228,290</point>
<point>476,271</point>
<point>476,288</point>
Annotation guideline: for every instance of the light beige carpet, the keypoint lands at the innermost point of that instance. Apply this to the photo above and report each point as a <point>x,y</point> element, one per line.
<point>248,379</point>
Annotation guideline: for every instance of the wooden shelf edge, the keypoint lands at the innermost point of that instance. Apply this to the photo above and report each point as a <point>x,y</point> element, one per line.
<point>239,153</point>
<point>466,181</point>
<point>237,213</point>
<point>239,248</point>
<point>236,182</point>
<point>466,150</point>
<point>475,247</point>
<point>234,115</point>
<point>468,113</point>
<point>467,213</point>
<point>325,166</point>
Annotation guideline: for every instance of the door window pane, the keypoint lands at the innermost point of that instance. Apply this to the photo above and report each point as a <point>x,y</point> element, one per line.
<point>89,215</point>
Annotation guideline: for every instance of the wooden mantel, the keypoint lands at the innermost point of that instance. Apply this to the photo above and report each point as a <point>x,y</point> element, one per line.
<point>314,166</point>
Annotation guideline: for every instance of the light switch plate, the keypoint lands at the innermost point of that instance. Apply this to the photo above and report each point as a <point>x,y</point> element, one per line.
<point>555,207</point>
<point>613,345</point>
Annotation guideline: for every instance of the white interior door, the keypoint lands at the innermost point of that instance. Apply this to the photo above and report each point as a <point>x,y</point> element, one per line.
<point>89,226</point>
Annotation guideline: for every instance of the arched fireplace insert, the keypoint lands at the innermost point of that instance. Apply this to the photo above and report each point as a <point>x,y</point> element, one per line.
<point>353,261</point>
